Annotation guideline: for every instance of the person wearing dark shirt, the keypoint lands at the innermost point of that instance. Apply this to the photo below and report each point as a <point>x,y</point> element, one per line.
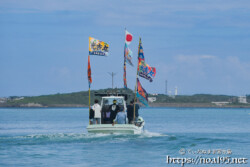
<point>114,108</point>
<point>91,116</point>
<point>106,114</point>
<point>137,107</point>
<point>130,111</point>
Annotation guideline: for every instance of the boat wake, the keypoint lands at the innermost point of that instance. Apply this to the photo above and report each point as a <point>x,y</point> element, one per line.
<point>34,139</point>
<point>173,141</point>
<point>151,134</point>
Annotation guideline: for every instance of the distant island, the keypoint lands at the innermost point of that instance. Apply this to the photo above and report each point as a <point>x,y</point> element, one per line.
<point>80,99</point>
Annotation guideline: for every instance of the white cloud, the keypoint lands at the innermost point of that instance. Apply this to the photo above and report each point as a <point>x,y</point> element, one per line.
<point>207,74</point>
<point>207,57</point>
<point>42,5</point>
<point>136,7</point>
<point>165,13</point>
<point>193,59</point>
<point>61,73</point>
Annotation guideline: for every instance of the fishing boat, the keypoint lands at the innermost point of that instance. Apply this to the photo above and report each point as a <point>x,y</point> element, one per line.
<point>107,100</point>
<point>136,126</point>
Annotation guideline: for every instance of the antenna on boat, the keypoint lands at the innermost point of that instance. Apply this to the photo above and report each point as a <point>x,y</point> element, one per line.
<point>112,75</point>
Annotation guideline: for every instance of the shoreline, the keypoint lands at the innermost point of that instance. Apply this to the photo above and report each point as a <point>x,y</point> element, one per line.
<point>197,105</point>
<point>153,105</point>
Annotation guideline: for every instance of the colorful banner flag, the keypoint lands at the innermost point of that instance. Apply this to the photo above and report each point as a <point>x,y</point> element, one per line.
<point>97,47</point>
<point>140,52</point>
<point>141,94</point>
<point>144,69</point>
<point>128,37</point>
<point>128,55</point>
<point>89,72</point>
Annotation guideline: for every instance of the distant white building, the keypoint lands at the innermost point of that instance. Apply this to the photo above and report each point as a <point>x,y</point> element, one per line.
<point>169,93</point>
<point>19,98</point>
<point>3,100</point>
<point>242,99</point>
<point>151,99</point>
<point>221,103</point>
<point>176,91</point>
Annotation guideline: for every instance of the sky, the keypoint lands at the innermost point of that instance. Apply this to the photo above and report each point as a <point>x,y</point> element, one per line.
<point>198,46</point>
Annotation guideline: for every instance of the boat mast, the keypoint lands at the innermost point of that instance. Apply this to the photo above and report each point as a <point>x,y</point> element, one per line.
<point>89,104</point>
<point>124,65</point>
<point>90,81</point>
<point>135,99</point>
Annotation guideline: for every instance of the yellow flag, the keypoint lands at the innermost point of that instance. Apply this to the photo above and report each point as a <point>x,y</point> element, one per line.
<point>97,47</point>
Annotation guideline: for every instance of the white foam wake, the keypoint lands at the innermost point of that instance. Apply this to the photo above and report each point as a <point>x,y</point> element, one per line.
<point>146,133</point>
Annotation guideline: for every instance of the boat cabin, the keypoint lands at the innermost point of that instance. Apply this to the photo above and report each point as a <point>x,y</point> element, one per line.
<point>107,127</point>
<point>106,102</point>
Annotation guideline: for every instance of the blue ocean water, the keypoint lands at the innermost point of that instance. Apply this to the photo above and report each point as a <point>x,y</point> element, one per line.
<point>58,137</point>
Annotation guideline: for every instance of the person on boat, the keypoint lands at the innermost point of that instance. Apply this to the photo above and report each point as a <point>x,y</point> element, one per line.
<point>97,109</point>
<point>137,107</point>
<point>114,108</point>
<point>91,116</point>
<point>120,118</point>
<point>106,113</point>
<point>130,111</point>
<point>107,119</point>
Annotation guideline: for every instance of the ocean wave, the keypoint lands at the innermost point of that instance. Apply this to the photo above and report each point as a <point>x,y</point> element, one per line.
<point>34,139</point>
<point>211,140</point>
<point>100,138</point>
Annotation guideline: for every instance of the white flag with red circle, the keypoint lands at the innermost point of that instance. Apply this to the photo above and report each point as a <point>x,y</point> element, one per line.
<point>128,37</point>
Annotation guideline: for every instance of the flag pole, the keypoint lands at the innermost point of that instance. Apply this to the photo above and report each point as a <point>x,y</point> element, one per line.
<point>124,65</point>
<point>136,77</point>
<point>89,104</point>
<point>90,80</point>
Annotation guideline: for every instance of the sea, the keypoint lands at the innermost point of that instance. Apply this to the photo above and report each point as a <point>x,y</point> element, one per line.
<point>172,137</point>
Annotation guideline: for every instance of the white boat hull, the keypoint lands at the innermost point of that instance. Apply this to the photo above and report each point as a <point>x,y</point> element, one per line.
<point>117,128</point>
